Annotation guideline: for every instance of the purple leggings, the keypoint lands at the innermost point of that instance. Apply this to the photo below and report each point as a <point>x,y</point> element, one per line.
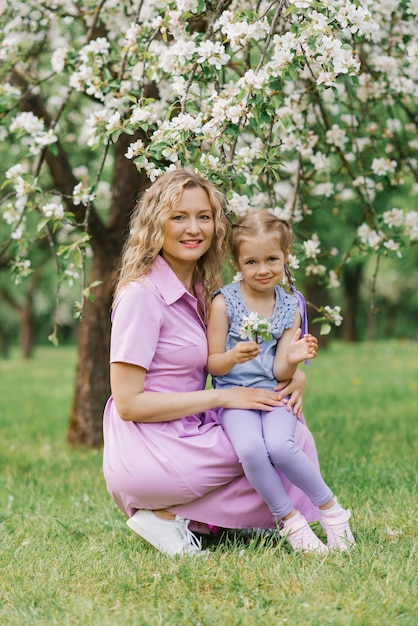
<point>263,441</point>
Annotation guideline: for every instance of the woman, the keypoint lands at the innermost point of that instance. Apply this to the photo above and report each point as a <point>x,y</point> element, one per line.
<point>166,458</point>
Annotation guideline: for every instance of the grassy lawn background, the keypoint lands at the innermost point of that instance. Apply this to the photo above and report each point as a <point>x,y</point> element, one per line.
<point>67,558</point>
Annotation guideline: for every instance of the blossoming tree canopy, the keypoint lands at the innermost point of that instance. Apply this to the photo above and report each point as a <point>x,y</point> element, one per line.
<point>305,107</point>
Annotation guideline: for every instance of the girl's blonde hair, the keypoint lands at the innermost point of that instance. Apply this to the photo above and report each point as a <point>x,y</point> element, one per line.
<point>148,225</point>
<point>256,223</point>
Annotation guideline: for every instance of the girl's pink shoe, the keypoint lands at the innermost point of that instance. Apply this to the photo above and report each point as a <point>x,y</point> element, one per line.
<point>300,536</point>
<point>338,530</point>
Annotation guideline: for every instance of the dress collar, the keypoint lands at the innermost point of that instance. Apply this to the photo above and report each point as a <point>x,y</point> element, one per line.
<point>167,282</point>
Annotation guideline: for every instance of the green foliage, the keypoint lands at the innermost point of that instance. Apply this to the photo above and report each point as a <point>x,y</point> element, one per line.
<point>67,558</point>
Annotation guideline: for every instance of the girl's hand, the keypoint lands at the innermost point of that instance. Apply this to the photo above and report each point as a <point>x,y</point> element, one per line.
<point>244,351</point>
<point>300,349</point>
<point>295,389</point>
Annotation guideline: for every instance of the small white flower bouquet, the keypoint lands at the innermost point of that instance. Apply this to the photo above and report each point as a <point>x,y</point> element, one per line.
<point>255,328</point>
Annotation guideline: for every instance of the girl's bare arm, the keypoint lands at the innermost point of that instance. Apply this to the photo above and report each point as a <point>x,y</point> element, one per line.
<point>220,362</point>
<point>292,350</point>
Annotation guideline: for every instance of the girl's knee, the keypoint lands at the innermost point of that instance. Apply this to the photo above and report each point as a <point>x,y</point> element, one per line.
<point>281,452</point>
<point>253,456</point>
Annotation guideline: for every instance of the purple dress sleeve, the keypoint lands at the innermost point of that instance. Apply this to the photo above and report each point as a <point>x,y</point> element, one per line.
<point>136,309</point>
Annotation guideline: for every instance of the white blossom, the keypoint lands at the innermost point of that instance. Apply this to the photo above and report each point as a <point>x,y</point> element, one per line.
<point>345,194</point>
<point>212,52</point>
<point>336,136</point>
<point>301,4</point>
<point>37,136</point>
<point>239,204</point>
<point>134,149</point>
<point>18,230</point>
<point>312,247</point>
<point>53,210</point>
<point>284,51</point>
<point>187,6</point>
<point>324,189</point>
<point>254,80</point>
<point>411,225</point>
<point>171,154</point>
<point>28,122</point>
<point>320,161</point>
<point>313,269</point>
<point>113,123</point>
<point>178,54</point>
<point>370,236</point>
<point>382,166</point>
<point>392,246</point>
<point>326,78</point>
<point>293,262</point>
<point>239,32</point>
<point>97,48</point>
<point>58,59</point>
<point>255,328</point>
<point>333,314</point>
<point>210,161</point>
<point>333,280</point>
<point>71,274</point>
<point>249,153</point>
<point>15,171</point>
<point>132,34</point>
<point>186,122</point>
<point>82,195</point>
<point>394,217</point>
<point>367,184</point>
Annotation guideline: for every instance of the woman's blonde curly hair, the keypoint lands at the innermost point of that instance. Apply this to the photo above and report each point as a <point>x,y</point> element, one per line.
<point>148,225</point>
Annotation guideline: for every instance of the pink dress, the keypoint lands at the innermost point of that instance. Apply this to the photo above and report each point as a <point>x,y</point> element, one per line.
<point>187,466</point>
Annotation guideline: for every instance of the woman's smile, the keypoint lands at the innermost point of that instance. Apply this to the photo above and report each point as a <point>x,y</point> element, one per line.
<point>191,243</point>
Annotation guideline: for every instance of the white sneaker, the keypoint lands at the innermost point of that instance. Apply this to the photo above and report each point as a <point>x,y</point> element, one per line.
<point>169,536</point>
<point>300,535</point>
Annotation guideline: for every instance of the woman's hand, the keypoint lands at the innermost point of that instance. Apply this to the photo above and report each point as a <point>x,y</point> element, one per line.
<point>295,389</point>
<point>249,398</point>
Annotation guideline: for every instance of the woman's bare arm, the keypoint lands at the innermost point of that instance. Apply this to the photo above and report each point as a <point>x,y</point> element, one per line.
<point>135,404</point>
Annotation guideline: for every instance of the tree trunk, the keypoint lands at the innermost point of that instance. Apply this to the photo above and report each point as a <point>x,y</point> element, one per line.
<point>316,295</point>
<point>351,281</point>
<point>25,313</point>
<point>92,376</point>
<point>92,386</point>
<point>26,329</point>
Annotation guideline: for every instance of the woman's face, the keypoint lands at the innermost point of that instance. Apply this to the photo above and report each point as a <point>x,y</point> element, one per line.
<point>189,229</point>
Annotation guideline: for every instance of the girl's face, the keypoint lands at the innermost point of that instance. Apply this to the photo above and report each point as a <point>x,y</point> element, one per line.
<point>189,229</point>
<point>261,262</point>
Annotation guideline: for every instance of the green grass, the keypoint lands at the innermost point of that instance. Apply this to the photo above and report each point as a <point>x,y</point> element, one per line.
<point>67,558</point>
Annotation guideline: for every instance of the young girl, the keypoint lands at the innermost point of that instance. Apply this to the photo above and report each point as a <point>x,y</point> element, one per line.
<point>264,439</point>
